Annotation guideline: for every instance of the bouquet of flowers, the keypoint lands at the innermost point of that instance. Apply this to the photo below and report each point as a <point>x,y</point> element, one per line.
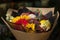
<point>30,21</point>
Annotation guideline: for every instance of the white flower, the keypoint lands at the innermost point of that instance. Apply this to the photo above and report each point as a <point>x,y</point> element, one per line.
<point>32,16</point>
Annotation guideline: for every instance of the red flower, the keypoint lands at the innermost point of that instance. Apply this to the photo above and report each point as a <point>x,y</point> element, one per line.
<point>22,21</point>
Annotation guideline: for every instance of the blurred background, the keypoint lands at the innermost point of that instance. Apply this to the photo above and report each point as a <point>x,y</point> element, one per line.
<point>5,33</point>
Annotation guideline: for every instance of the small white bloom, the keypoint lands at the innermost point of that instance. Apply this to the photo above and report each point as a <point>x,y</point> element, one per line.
<point>32,16</point>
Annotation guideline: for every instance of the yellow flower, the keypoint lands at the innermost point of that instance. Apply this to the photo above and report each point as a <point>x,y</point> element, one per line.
<point>45,24</point>
<point>15,19</point>
<point>32,26</point>
<point>27,17</point>
<point>22,16</point>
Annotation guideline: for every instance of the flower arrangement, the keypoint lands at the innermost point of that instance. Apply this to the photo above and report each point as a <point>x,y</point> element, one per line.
<point>31,21</point>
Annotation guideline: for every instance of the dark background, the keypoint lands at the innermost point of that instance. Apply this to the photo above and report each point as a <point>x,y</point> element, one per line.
<point>5,33</point>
